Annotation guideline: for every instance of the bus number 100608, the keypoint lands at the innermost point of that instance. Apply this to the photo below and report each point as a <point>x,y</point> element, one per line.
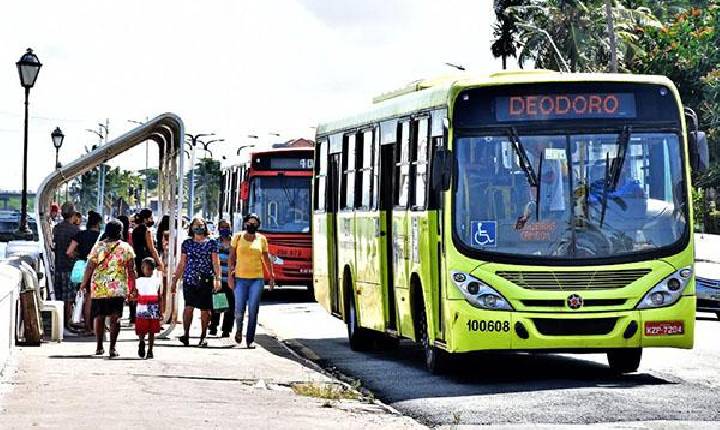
<point>488,325</point>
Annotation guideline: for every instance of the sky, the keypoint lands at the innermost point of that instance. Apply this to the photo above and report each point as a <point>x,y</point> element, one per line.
<point>231,67</point>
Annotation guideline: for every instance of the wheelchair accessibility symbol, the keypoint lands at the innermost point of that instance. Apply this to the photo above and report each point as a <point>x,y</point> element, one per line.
<point>483,233</point>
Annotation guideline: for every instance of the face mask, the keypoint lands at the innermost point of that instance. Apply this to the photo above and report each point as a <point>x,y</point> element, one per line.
<point>199,230</point>
<point>225,232</point>
<point>150,223</point>
<point>251,228</point>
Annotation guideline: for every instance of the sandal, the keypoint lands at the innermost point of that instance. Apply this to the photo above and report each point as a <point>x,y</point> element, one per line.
<point>185,340</point>
<point>113,353</point>
<point>203,343</point>
<point>99,351</point>
<point>149,355</point>
<point>141,349</point>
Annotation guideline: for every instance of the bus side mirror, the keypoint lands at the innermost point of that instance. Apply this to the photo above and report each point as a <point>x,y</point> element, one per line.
<point>244,190</point>
<point>699,151</point>
<point>442,170</point>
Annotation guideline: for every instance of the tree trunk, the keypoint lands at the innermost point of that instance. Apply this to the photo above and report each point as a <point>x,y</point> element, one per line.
<point>611,36</point>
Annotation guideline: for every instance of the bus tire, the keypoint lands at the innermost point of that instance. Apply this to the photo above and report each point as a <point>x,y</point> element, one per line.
<point>626,360</point>
<point>360,339</point>
<point>436,359</point>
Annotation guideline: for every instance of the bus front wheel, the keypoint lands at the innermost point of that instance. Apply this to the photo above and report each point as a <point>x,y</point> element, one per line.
<point>624,360</point>
<point>435,358</point>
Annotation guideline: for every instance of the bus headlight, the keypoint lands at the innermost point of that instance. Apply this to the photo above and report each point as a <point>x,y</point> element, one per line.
<point>478,293</point>
<point>667,291</point>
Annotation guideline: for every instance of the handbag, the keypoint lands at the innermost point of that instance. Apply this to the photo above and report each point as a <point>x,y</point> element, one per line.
<point>78,271</point>
<point>220,302</point>
<point>78,308</point>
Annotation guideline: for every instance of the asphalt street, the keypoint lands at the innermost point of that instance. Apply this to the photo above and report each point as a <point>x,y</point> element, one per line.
<point>681,386</point>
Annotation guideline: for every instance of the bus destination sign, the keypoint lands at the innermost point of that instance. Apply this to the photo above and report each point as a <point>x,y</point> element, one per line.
<point>551,107</point>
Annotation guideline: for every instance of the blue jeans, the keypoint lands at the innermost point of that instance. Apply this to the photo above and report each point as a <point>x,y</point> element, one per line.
<point>248,292</point>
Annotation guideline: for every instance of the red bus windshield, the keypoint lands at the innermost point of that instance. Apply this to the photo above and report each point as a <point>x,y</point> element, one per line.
<point>282,202</point>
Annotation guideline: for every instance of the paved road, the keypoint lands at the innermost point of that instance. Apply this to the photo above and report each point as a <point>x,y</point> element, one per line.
<point>673,385</point>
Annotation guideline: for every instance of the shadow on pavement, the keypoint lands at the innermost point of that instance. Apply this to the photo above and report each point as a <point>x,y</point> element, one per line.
<point>398,375</point>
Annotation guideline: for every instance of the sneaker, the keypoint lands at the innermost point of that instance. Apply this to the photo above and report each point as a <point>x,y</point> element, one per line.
<point>250,345</point>
<point>185,340</point>
<point>238,338</point>
<point>113,354</point>
<point>100,351</point>
<point>203,343</point>
<point>141,349</point>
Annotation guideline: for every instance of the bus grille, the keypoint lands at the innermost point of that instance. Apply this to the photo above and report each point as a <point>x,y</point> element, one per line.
<point>574,327</point>
<point>561,303</point>
<point>600,280</point>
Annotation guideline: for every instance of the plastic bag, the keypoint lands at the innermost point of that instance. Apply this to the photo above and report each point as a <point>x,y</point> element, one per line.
<point>78,271</point>
<point>220,302</point>
<point>78,308</point>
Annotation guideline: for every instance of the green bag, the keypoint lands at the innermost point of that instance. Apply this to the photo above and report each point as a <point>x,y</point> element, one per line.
<point>220,302</point>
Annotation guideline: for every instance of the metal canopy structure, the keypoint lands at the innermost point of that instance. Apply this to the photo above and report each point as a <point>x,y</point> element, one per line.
<point>167,130</point>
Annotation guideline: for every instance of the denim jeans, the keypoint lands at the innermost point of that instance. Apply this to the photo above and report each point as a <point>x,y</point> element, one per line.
<point>248,292</point>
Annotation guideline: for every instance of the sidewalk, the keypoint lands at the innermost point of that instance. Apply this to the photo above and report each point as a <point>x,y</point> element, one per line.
<point>224,387</point>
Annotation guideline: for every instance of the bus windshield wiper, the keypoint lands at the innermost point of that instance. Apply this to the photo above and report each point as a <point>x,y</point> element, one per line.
<point>612,172</point>
<point>522,157</point>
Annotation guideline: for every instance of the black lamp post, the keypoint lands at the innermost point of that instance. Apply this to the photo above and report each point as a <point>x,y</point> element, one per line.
<point>57,140</point>
<point>28,69</point>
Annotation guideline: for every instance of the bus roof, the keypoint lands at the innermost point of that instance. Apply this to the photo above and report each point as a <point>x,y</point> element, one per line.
<point>438,92</point>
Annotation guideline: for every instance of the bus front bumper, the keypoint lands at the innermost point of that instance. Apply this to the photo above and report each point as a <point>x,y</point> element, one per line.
<point>472,329</point>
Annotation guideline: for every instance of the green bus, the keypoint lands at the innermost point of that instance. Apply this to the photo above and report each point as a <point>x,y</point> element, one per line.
<point>530,211</point>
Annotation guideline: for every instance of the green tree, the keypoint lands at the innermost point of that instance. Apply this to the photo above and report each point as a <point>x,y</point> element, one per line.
<point>505,31</point>
<point>579,30</point>
<point>207,187</point>
<point>686,50</point>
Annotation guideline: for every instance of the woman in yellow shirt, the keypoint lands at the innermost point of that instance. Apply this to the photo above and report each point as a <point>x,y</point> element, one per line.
<point>248,255</point>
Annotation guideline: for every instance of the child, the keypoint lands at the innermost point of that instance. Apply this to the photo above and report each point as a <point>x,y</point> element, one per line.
<point>148,314</point>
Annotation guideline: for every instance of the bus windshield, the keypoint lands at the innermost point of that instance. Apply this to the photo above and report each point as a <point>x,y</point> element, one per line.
<point>282,202</point>
<point>575,196</point>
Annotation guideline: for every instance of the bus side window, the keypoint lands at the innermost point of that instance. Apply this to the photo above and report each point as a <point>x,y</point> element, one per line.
<point>402,166</point>
<point>366,170</point>
<point>420,163</point>
<point>349,159</point>
<point>320,199</point>
<point>376,170</point>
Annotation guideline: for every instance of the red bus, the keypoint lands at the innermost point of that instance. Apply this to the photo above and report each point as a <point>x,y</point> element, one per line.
<point>276,185</point>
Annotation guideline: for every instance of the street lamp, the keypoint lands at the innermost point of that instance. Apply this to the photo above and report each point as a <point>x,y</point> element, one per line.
<point>191,182</point>
<point>57,137</point>
<point>28,69</point>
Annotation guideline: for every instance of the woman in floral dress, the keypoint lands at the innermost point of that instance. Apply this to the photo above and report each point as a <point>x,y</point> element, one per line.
<point>110,267</point>
<point>199,269</point>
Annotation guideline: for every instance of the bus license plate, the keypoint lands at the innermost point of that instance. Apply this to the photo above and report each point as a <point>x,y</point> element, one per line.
<point>664,328</point>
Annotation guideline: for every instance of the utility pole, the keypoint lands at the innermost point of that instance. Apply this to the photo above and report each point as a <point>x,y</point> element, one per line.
<point>611,36</point>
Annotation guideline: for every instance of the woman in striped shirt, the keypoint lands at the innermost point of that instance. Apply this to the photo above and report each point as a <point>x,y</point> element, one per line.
<point>224,254</point>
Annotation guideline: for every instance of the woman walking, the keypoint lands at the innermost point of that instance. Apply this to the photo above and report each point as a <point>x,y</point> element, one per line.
<point>248,255</point>
<point>80,247</point>
<point>110,267</point>
<point>199,267</point>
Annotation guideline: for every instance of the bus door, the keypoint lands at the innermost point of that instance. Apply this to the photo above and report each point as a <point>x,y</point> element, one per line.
<point>385,233</point>
<point>334,173</point>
